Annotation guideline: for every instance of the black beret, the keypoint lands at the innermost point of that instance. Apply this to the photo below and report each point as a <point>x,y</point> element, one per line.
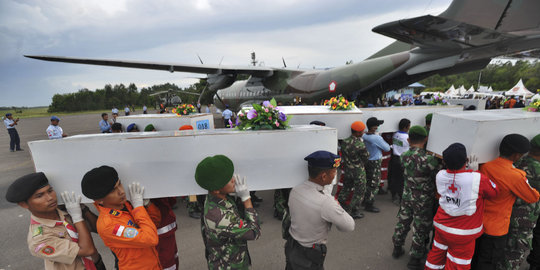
<point>455,156</point>
<point>99,182</point>
<point>323,159</point>
<point>514,143</point>
<point>318,123</point>
<point>24,187</point>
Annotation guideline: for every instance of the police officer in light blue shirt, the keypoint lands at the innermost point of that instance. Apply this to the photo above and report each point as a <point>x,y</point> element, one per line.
<point>375,145</point>
<point>14,140</point>
<point>227,115</point>
<point>104,125</point>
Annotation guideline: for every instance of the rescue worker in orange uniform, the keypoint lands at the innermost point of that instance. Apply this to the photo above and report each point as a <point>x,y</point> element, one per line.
<point>126,228</point>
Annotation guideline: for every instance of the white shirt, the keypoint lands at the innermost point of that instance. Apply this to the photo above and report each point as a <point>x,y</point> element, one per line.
<point>313,211</point>
<point>8,122</point>
<point>54,132</point>
<point>399,143</point>
<point>227,114</point>
<point>115,110</point>
<point>126,109</point>
<point>144,108</point>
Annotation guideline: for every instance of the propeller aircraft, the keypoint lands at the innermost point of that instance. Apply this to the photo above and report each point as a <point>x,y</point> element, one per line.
<point>465,37</point>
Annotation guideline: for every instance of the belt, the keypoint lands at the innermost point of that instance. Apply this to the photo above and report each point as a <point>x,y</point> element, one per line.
<point>166,229</point>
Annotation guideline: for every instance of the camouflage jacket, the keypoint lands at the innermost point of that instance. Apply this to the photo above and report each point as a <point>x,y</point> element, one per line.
<point>225,233</point>
<point>354,154</point>
<point>524,215</point>
<point>420,169</point>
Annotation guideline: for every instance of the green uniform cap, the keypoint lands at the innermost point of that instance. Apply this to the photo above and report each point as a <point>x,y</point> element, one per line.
<point>149,127</point>
<point>429,116</point>
<point>535,142</point>
<point>418,130</point>
<point>215,172</point>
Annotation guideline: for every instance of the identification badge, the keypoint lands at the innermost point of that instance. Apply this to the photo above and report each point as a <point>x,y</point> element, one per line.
<point>37,231</point>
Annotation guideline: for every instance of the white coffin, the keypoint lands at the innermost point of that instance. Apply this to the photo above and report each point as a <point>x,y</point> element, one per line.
<point>168,121</point>
<point>480,131</point>
<point>164,162</point>
<point>392,115</point>
<point>340,120</point>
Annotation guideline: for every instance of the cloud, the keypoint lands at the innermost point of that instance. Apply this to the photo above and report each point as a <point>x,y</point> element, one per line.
<point>306,33</point>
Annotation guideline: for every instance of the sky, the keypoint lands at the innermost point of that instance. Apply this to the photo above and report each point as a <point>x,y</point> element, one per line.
<point>306,33</point>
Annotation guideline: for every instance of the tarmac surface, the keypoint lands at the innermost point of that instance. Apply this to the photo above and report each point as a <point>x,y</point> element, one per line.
<point>369,246</point>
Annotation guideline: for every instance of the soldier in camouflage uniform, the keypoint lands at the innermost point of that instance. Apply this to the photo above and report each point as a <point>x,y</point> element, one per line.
<point>420,169</point>
<point>225,231</point>
<point>524,216</point>
<point>354,156</point>
<point>281,200</point>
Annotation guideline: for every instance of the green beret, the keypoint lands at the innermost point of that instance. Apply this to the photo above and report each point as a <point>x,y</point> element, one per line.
<point>149,127</point>
<point>23,188</point>
<point>429,116</point>
<point>535,142</point>
<point>215,172</point>
<point>419,130</point>
<point>99,182</point>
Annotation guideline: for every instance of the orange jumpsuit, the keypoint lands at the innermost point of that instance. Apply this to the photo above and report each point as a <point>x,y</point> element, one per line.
<point>131,235</point>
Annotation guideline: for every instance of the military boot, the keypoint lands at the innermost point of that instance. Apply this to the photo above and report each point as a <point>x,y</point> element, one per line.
<point>356,214</point>
<point>532,267</point>
<point>397,252</point>
<point>415,264</point>
<point>370,208</point>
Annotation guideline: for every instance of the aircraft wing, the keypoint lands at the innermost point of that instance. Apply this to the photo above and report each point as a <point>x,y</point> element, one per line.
<point>171,67</point>
<point>438,32</point>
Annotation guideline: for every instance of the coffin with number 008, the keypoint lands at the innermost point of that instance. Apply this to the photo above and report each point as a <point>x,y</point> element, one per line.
<point>164,162</point>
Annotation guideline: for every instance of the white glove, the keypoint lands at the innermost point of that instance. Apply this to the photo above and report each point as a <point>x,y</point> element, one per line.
<point>136,194</point>
<point>241,188</point>
<point>73,205</point>
<point>473,163</point>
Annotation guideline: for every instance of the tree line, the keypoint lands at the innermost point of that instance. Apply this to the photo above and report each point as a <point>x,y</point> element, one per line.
<point>500,76</point>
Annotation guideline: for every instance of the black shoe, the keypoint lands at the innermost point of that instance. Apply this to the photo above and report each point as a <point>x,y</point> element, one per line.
<point>415,263</point>
<point>371,208</point>
<point>382,191</point>
<point>532,267</point>
<point>397,252</point>
<point>11,150</point>
<point>254,198</point>
<point>357,214</point>
<point>195,215</point>
<point>20,149</point>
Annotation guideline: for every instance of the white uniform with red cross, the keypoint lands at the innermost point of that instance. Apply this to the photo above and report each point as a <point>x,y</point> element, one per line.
<point>458,221</point>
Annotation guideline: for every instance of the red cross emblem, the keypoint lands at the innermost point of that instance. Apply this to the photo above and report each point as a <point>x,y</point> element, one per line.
<point>452,188</point>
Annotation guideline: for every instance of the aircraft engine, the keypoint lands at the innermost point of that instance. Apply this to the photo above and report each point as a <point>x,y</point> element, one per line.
<point>220,81</point>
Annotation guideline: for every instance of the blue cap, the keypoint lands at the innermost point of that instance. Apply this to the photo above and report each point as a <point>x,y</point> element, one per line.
<point>323,159</point>
<point>8,114</point>
<point>131,127</point>
<point>55,118</point>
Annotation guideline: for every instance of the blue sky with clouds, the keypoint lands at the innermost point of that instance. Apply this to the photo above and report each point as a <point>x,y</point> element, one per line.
<point>306,33</point>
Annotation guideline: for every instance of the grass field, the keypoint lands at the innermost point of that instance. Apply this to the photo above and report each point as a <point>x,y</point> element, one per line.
<point>42,112</point>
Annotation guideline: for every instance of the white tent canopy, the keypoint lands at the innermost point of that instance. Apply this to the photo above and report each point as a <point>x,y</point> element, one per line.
<point>485,89</point>
<point>461,90</point>
<point>519,90</point>
<point>471,90</point>
<point>451,90</point>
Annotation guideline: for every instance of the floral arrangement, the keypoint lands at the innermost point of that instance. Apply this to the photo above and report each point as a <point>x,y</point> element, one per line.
<point>438,100</point>
<point>339,103</point>
<point>534,106</point>
<point>184,109</point>
<point>262,117</point>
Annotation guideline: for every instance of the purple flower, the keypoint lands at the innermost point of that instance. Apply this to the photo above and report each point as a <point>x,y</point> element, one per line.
<point>251,114</point>
<point>237,122</point>
<point>230,124</point>
<point>282,117</point>
<point>267,104</point>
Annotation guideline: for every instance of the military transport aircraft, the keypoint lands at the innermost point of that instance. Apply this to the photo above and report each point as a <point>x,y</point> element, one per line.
<point>463,38</point>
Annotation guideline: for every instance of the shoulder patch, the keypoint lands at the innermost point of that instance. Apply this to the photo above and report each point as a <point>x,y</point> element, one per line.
<point>118,230</point>
<point>130,232</point>
<point>114,212</point>
<point>37,231</point>
<point>48,250</point>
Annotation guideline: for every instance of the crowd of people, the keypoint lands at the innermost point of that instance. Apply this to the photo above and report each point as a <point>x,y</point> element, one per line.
<point>461,217</point>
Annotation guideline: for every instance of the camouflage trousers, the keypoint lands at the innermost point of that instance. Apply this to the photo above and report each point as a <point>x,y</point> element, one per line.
<point>373,179</point>
<point>281,199</point>
<point>420,214</point>
<point>355,183</point>
<point>517,244</point>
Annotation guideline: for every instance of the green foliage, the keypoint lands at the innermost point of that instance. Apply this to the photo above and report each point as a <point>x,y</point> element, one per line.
<point>500,77</point>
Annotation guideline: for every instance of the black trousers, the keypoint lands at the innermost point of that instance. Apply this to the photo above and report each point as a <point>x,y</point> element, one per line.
<point>298,257</point>
<point>534,257</point>
<point>14,140</point>
<point>395,176</point>
<point>488,251</point>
